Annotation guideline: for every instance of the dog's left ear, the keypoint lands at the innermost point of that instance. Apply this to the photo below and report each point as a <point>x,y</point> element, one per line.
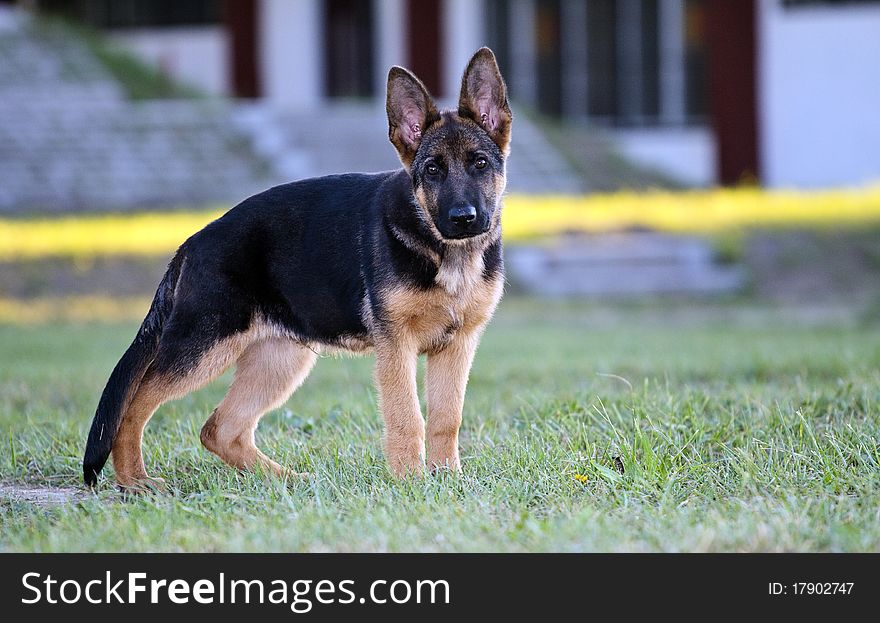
<point>484,98</point>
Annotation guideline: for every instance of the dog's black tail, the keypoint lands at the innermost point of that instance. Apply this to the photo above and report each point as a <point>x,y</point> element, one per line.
<point>127,375</point>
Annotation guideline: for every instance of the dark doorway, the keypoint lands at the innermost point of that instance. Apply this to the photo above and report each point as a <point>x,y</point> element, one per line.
<point>348,48</point>
<point>136,13</point>
<point>696,80</point>
<point>650,61</point>
<point>549,56</point>
<point>602,60</point>
<point>498,32</point>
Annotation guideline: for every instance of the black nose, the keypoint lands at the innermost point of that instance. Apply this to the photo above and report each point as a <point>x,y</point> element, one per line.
<point>463,215</point>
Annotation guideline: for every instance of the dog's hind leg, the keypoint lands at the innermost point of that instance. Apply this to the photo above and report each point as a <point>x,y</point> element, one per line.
<point>267,372</point>
<point>172,375</point>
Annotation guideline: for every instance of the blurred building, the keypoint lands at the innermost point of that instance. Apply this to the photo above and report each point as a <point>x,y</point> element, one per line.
<point>780,91</point>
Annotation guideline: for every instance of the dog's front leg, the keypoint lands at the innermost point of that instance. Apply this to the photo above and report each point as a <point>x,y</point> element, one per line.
<point>396,363</point>
<point>445,382</point>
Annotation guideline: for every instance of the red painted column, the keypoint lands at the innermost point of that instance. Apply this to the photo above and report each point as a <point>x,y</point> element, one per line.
<point>733,105</point>
<point>424,36</point>
<point>242,24</point>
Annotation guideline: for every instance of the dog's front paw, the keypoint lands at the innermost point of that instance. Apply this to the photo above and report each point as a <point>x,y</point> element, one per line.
<point>443,453</point>
<point>412,469</point>
<point>440,465</point>
<point>405,450</point>
<point>405,462</point>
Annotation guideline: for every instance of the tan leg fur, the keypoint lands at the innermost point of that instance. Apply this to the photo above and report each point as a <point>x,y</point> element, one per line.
<point>399,402</point>
<point>445,382</point>
<point>155,390</point>
<point>266,374</point>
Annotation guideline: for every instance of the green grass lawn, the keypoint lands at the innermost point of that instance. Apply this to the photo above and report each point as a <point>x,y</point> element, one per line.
<point>736,431</point>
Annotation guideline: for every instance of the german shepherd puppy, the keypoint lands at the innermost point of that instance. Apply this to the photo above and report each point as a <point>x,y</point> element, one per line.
<point>403,263</point>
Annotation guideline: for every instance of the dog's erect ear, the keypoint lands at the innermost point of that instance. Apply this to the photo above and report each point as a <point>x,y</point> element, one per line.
<point>410,112</point>
<point>484,98</point>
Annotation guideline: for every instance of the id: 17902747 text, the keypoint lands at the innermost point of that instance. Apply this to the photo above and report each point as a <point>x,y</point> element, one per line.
<point>810,588</point>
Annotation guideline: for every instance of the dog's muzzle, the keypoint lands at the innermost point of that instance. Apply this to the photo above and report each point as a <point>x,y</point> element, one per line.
<point>465,221</point>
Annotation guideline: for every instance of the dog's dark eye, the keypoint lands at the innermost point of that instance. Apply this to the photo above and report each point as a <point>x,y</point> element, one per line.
<point>480,162</point>
<point>432,169</point>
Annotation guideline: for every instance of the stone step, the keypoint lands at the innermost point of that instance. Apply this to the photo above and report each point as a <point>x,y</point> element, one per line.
<point>69,140</point>
<point>624,264</point>
<point>354,138</point>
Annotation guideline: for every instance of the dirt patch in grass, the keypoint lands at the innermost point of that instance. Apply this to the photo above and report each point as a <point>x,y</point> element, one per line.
<point>41,496</point>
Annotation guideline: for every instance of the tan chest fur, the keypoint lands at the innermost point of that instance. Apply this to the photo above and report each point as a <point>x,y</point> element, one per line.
<point>462,301</point>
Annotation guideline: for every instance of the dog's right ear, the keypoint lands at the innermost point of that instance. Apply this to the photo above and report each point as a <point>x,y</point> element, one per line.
<point>410,112</point>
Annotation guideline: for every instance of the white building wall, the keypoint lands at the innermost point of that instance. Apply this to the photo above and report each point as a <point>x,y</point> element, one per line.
<point>819,94</point>
<point>197,56</point>
<point>390,42</point>
<point>463,33</point>
<point>292,63</point>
